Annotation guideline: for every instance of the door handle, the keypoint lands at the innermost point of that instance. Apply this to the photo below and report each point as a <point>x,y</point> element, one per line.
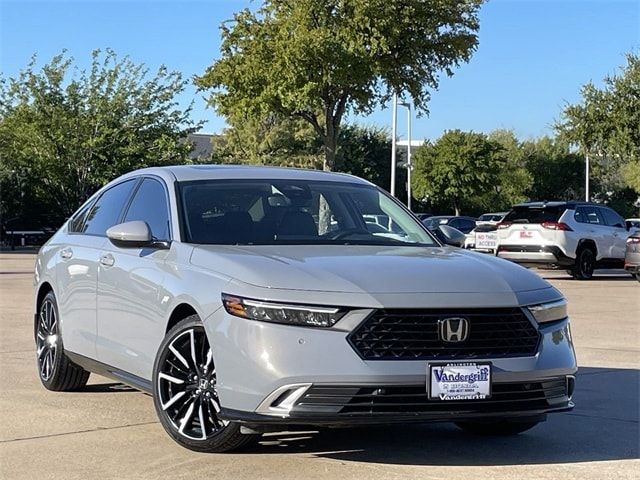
<point>66,253</point>
<point>107,260</point>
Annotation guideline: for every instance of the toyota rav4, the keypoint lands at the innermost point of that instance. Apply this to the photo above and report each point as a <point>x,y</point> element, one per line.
<point>577,236</point>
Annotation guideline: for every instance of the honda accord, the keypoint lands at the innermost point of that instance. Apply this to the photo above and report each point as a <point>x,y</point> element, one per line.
<point>252,299</point>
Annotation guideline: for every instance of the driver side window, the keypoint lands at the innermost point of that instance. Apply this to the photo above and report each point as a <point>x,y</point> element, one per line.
<point>150,205</point>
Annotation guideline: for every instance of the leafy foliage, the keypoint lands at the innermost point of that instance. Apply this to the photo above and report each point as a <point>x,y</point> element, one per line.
<point>459,166</point>
<point>64,132</point>
<point>316,59</point>
<point>606,125</point>
<point>557,173</point>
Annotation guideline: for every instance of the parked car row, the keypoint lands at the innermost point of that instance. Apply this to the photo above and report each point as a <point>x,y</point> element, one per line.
<point>577,236</point>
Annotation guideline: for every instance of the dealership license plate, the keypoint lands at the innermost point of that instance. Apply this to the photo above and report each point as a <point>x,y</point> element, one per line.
<point>459,381</point>
<point>488,241</point>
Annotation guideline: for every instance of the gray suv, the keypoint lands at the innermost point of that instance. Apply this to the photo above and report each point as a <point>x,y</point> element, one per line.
<point>249,299</point>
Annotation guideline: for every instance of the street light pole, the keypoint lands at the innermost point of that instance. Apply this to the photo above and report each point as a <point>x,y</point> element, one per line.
<point>409,156</point>
<point>407,105</point>
<point>586,177</point>
<point>394,122</point>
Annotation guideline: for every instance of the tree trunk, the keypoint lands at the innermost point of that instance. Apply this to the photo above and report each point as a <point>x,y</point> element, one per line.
<point>330,146</point>
<point>456,207</point>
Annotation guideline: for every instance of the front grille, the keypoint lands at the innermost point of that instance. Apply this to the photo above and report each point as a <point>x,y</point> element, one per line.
<point>398,400</point>
<point>413,335</point>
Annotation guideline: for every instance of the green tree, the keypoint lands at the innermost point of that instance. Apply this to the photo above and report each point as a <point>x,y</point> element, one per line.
<point>365,152</point>
<point>457,168</point>
<point>64,132</point>
<point>270,140</point>
<point>558,173</point>
<point>318,59</point>
<point>606,125</point>
<point>514,179</point>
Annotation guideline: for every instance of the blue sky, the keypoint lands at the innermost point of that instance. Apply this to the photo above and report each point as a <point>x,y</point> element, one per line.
<point>533,55</point>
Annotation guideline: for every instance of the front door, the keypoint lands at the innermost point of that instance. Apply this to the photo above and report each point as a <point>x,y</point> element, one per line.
<point>131,300</point>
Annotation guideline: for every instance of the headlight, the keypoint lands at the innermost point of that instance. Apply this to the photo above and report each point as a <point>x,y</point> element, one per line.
<point>303,315</point>
<point>549,312</point>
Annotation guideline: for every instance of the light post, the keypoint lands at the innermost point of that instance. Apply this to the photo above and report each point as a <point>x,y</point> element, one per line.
<point>407,105</point>
<point>586,177</point>
<point>394,122</point>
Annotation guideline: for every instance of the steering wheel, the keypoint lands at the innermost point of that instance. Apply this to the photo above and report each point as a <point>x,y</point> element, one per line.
<point>345,233</point>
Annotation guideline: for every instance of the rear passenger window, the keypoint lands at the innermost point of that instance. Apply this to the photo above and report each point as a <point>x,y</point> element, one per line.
<point>108,208</point>
<point>466,226</point>
<point>592,215</point>
<point>77,222</point>
<point>150,205</point>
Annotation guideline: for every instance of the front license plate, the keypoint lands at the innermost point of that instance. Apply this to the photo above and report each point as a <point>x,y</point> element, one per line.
<point>459,381</point>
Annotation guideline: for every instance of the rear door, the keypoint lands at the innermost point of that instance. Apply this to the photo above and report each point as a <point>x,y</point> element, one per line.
<point>77,270</point>
<point>618,231</point>
<point>131,300</point>
<point>596,229</point>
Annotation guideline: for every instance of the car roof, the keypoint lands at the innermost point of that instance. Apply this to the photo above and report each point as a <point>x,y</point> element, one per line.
<point>442,217</point>
<point>567,204</point>
<point>186,173</point>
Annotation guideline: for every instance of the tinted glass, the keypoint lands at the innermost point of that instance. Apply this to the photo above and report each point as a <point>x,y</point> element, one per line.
<point>534,214</point>
<point>465,226</point>
<point>593,215</point>
<point>150,205</point>
<point>107,210</point>
<point>77,222</point>
<point>295,212</point>
<point>435,222</point>
<point>612,218</point>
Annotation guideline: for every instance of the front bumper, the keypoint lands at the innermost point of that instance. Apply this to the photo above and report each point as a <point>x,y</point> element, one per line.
<point>337,405</point>
<point>259,365</point>
<point>535,255</point>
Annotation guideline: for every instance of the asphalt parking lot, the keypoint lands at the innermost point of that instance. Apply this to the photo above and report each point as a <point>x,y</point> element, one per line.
<point>111,431</point>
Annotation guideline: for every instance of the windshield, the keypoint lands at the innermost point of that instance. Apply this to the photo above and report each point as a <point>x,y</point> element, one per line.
<point>276,212</point>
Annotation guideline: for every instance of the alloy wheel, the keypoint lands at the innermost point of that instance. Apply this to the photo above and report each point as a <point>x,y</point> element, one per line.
<point>47,339</point>
<point>186,386</point>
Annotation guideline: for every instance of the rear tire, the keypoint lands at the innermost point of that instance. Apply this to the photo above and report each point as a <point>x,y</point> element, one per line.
<point>55,370</point>
<point>184,392</point>
<point>638,277</point>
<point>499,428</point>
<point>585,264</point>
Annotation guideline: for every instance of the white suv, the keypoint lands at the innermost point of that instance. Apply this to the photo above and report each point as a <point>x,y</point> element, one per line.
<point>578,236</point>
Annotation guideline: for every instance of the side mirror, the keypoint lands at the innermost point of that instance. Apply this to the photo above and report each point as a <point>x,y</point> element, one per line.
<point>136,234</point>
<point>451,236</point>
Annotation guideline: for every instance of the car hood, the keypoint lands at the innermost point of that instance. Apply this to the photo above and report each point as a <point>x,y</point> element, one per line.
<point>367,269</point>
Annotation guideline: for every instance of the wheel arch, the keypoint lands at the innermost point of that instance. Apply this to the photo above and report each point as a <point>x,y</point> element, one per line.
<point>587,243</point>
<point>44,288</point>
<point>180,312</point>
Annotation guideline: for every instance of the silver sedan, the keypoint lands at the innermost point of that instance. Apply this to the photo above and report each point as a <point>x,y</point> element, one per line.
<point>249,299</point>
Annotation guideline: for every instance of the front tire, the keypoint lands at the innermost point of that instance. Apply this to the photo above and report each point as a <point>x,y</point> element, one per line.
<point>56,371</point>
<point>499,428</point>
<point>585,264</point>
<point>185,395</point>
